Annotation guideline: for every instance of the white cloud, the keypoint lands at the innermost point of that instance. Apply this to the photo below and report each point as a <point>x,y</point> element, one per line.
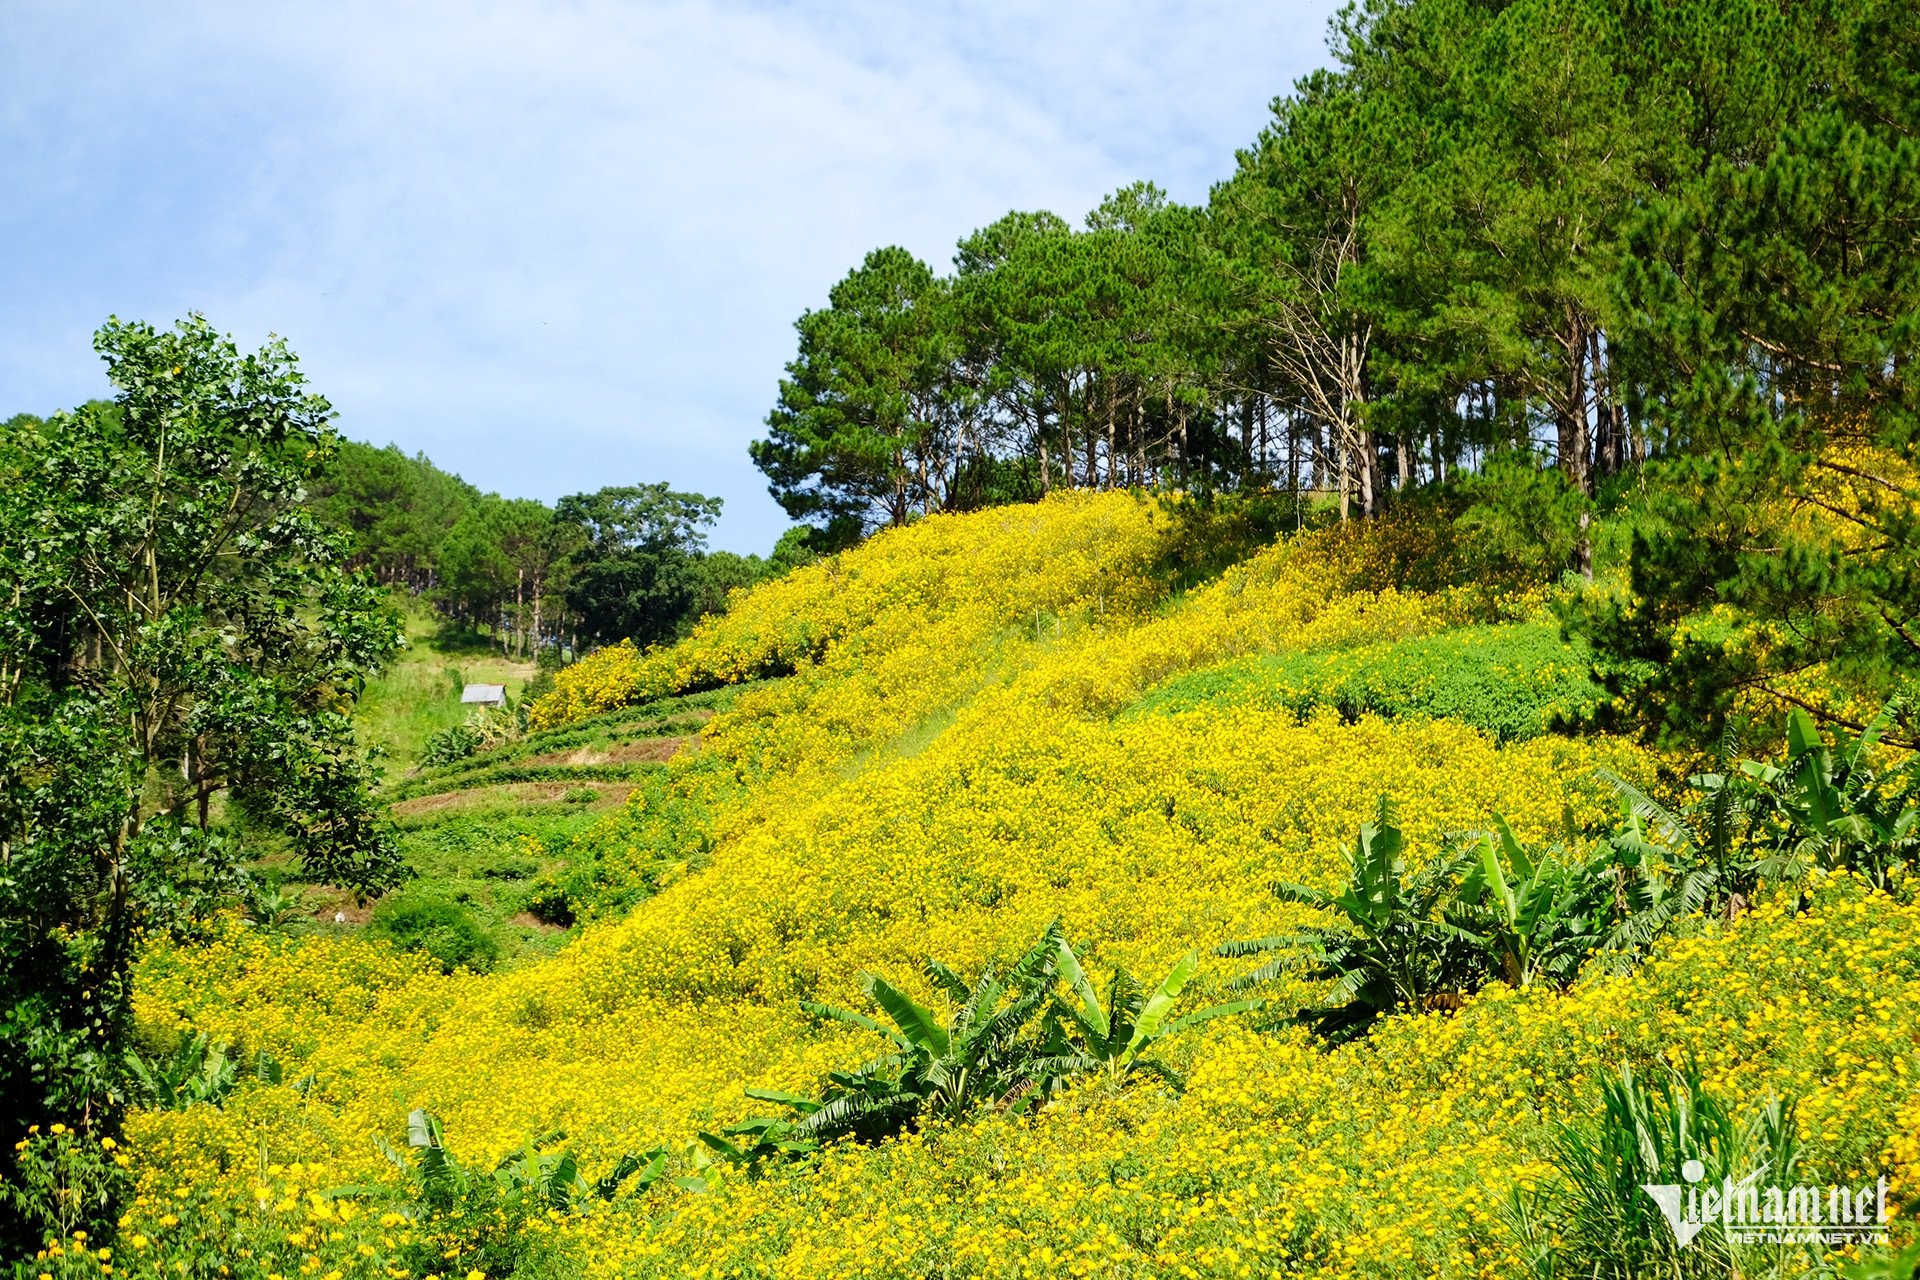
<point>561,245</point>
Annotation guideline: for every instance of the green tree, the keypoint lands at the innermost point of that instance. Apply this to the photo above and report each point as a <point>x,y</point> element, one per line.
<point>396,510</point>
<point>636,572</point>
<point>476,576</point>
<point>173,623</point>
<point>856,434</point>
<point>1773,296</point>
<point>717,574</point>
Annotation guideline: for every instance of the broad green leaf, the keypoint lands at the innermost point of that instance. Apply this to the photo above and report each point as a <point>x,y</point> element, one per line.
<point>1161,1003</point>
<point>916,1023</point>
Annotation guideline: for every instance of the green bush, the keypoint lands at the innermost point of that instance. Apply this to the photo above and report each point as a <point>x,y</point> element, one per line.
<point>546,901</point>
<point>455,742</point>
<point>438,927</point>
<point>1513,681</point>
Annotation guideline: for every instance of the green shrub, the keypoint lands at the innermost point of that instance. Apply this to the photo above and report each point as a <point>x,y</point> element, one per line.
<point>546,901</point>
<point>1513,681</point>
<point>455,742</point>
<point>438,927</point>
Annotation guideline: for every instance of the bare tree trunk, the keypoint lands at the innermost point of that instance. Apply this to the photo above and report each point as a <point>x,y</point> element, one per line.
<point>1293,465</point>
<point>1369,474</point>
<point>1610,414</point>
<point>1346,474</point>
<point>1040,435</point>
<point>1113,457</point>
<point>539,585</point>
<point>1570,413</point>
<point>1576,437</point>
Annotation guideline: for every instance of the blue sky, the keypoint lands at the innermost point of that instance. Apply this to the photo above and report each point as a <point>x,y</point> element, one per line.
<point>562,245</point>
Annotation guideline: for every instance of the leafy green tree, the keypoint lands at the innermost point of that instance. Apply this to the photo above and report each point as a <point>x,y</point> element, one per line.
<point>1291,231</point>
<point>855,435</point>
<point>476,576</point>
<point>174,623</point>
<point>537,547</point>
<point>396,510</point>
<point>635,573</point>
<point>717,574</point>
<point>1771,292</point>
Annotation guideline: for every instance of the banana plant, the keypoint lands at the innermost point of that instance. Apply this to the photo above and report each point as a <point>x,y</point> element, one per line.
<point>1827,806</point>
<point>983,1053</point>
<point>1115,1035</point>
<point>979,1056</point>
<point>1390,950</point>
<point>198,1071</point>
<point>1666,865</point>
<point>753,1142</point>
<point>528,1176</point>
<point>1531,917</point>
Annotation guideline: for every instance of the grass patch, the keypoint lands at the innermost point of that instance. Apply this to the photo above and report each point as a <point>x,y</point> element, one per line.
<point>418,694</point>
<point>1514,681</point>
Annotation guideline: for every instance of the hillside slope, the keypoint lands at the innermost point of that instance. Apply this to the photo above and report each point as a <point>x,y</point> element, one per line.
<point>959,740</point>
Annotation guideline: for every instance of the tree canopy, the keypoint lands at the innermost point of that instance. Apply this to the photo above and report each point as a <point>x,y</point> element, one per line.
<point>1661,256</point>
<point>177,623</point>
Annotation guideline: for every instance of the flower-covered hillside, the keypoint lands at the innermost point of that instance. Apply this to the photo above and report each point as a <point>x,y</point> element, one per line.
<point>945,791</point>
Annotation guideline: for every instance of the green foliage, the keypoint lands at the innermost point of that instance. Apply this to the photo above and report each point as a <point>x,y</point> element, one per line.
<point>1006,1042</point>
<point>982,1054</point>
<point>1599,1220</point>
<point>394,510</point>
<point>271,905</point>
<point>455,742</point>
<point>1771,292</point>
<point>176,625</point>
<point>1513,681</point>
<point>1488,909</point>
<point>196,1072</point>
<point>1390,952</point>
<point>1827,806</point>
<point>441,928</point>
<point>636,572</point>
<point>1522,520</point>
<point>62,1181</point>
<point>1485,909</point>
<point>1534,916</point>
<point>1114,1036</point>
<point>856,410</point>
<point>717,575</point>
<point>1884,1264</point>
<point>480,1219</point>
<point>752,1144</point>
<point>1824,806</point>
<point>663,831</point>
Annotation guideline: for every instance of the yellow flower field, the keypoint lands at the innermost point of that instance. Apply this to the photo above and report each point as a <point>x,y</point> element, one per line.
<point>940,772</point>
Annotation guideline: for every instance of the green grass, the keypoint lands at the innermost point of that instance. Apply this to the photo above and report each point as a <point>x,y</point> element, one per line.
<point>496,839</point>
<point>1513,681</point>
<point>418,694</point>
